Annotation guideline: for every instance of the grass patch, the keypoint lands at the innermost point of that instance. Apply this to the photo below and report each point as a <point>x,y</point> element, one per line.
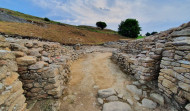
<point>62,34</point>
<point>95,29</point>
<point>140,37</point>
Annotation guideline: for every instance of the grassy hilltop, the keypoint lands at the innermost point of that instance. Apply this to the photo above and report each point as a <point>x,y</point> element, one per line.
<point>56,31</point>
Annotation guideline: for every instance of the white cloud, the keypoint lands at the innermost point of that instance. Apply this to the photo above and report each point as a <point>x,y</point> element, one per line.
<point>88,12</point>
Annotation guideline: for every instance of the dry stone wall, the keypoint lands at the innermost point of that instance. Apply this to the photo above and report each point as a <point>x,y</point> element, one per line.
<point>11,91</point>
<point>32,69</point>
<point>43,67</point>
<point>174,76</point>
<point>163,58</point>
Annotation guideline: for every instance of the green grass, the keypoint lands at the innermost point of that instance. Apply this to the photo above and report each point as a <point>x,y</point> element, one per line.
<point>95,29</point>
<point>140,37</point>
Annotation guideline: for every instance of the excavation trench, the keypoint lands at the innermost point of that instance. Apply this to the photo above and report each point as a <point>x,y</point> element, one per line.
<point>88,74</point>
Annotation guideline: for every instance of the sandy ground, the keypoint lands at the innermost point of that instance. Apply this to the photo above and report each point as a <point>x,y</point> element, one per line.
<point>88,74</point>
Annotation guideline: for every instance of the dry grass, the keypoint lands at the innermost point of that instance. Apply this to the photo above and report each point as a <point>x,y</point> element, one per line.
<point>59,33</point>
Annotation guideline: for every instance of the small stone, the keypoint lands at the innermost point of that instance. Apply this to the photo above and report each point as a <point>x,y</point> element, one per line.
<point>130,101</point>
<point>116,106</point>
<point>139,104</point>
<point>184,86</point>
<point>6,54</point>
<point>185,32</point>
<point>167,53</point>
<point>36,90</point>
<point>136,83</point>
<point>65,98</point>
<point>145,94</point>
<point>112,98</point>
<point>2,39</point>
<point>19,54</point>
<point>10,79</point>
<point>157,98</point>
<point>187,107</point>
<point>17,47</point>
<point>136,97</point>
<point>134,89</point>
<point>184,62</point>
<point>44,53</point>
<point>106,92</point>
<point>120,96</point>
<point>46,59</point>
<point>50,72</point>
<point>96,87</point>
<point>142,81</point>
<point>9,87</point>
<point>149,103</point>
<point>38,65</point>
<point>28,45</point>
<point>26,60</point>
<point>181,69</point>
<point>187,57</point>
<point>35,53</point>
<point>1,86</point>
<point>100,101</point>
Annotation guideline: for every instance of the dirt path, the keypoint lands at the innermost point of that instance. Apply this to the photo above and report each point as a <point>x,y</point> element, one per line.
<point>88,74</point>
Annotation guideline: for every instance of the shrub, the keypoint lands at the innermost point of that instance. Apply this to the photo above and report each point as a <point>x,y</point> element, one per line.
<point>154,33</point>
<point>147,34</point>
<point>46,19</point>
<point>101,25</point>
<point>129,28</point>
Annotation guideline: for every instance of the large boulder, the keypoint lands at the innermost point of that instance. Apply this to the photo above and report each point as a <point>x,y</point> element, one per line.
<point>116,106</point>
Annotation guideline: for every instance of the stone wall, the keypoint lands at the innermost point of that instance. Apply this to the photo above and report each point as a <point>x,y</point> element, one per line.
<point>11,91</point>
<point>174,76</point>
<point>163,58</point>
<point>43,67</point>
<point>142,57</point>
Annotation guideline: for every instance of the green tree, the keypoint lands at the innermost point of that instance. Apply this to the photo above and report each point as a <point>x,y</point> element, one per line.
<point>147,34</point>
<point>154,33</point>
<point>129,28</point>
<point>46,19</point>
<point>101,24</point>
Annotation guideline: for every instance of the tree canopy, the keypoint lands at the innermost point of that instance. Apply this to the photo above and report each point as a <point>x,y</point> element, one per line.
<point>129,28</point>
<point>101,24</point>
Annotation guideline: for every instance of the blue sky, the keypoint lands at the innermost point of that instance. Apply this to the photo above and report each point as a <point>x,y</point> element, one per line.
<point>153,15</point>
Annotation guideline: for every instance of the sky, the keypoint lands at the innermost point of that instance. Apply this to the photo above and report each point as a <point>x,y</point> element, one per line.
<point>153,15</point>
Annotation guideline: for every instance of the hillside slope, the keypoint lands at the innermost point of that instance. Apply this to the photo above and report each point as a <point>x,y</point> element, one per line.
<point>55,31</point>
